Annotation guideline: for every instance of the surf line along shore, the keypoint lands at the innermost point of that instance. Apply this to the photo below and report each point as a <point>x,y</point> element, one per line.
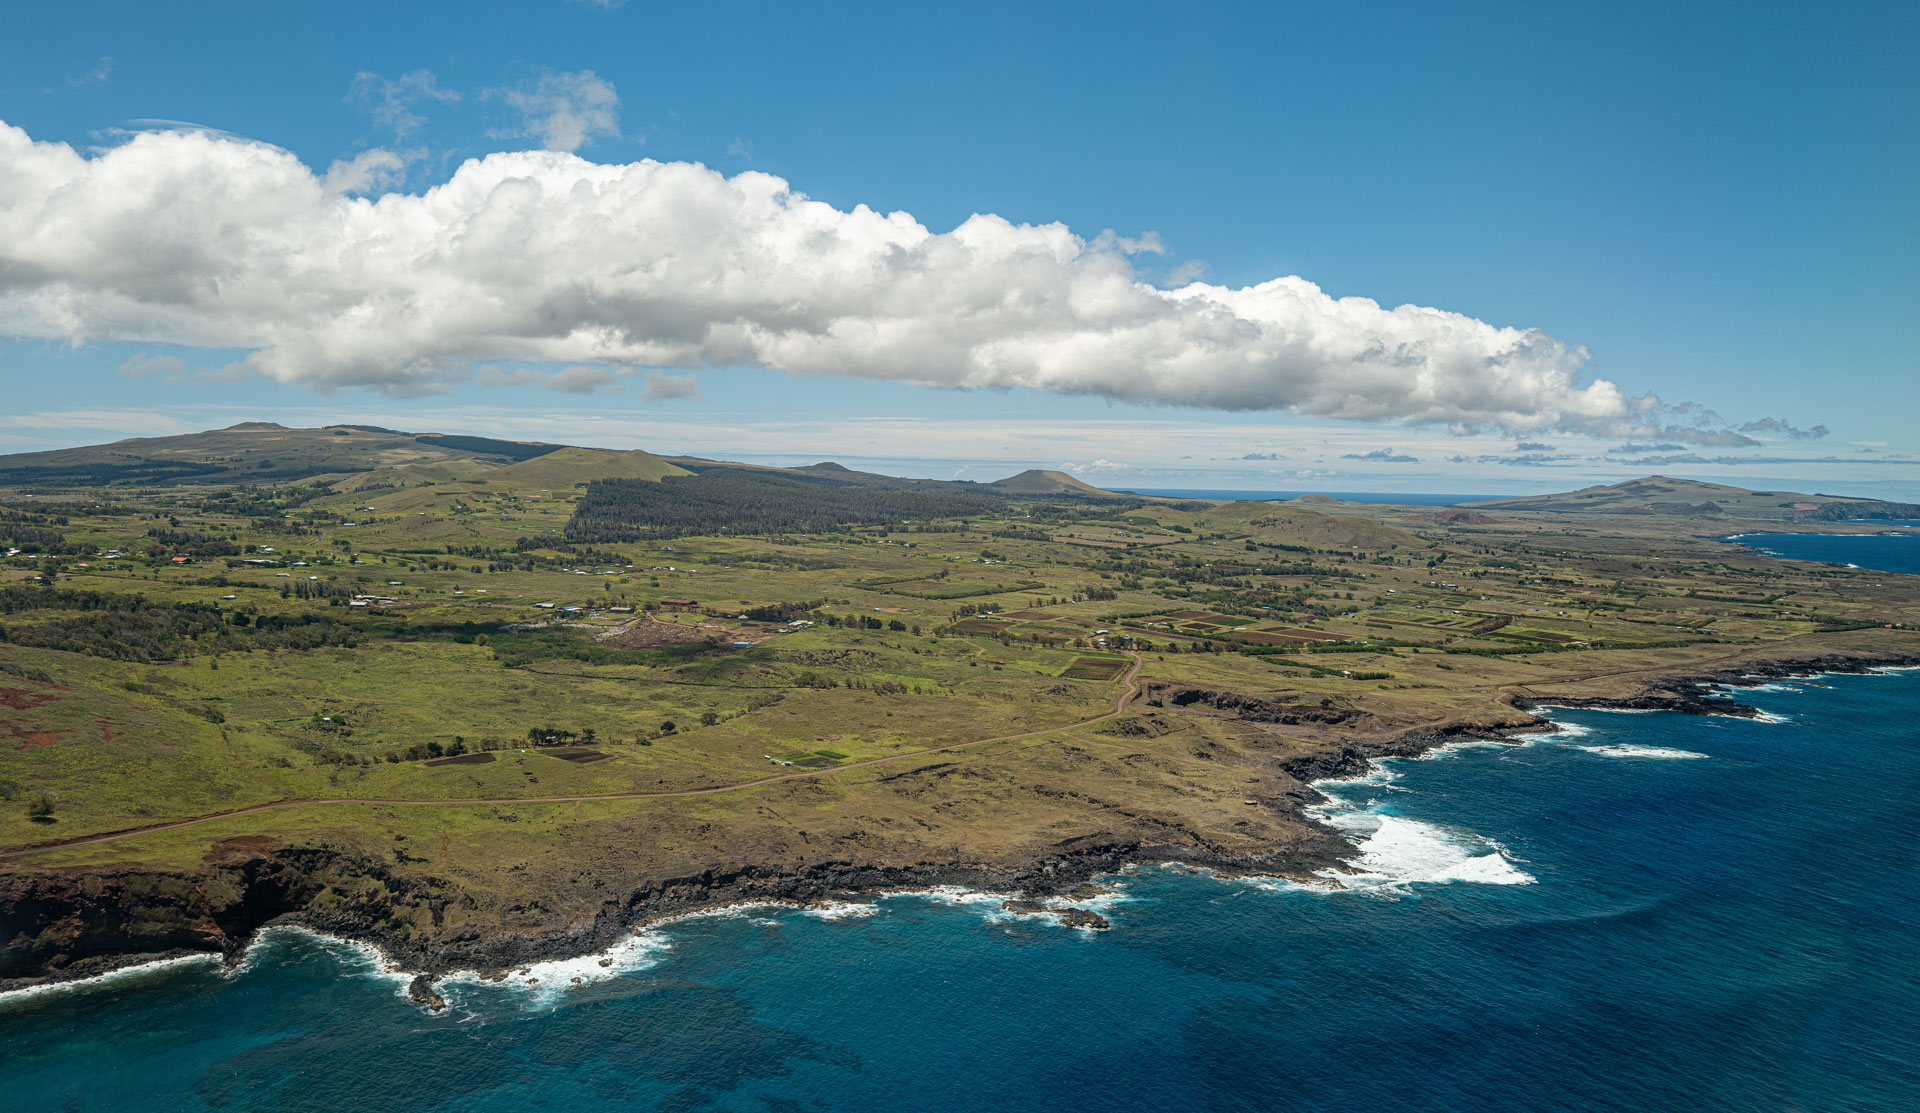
<point>277,891</point>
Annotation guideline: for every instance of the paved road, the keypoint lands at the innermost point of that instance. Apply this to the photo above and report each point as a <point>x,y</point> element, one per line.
<point>1119,706</point>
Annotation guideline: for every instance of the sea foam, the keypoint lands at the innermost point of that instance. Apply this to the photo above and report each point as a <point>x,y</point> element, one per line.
<point>543,983</point>
<point>1624,750</point>
<point>1395,852</point>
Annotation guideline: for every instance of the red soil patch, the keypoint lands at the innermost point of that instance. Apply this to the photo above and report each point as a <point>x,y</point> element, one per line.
<point>19,699</point>
<point>106,726</point>
<point>33,737</point>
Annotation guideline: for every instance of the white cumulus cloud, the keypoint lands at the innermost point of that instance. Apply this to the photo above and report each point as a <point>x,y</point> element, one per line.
<point>201,239</point>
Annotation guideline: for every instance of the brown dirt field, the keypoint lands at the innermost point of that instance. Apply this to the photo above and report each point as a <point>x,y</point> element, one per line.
<point>655,635</point>
<point>579,757</point>
<point>1089,668</point>
<point>1268,639</point>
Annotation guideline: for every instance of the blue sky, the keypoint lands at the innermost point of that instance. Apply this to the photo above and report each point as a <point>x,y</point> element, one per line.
<point>1714,202</point>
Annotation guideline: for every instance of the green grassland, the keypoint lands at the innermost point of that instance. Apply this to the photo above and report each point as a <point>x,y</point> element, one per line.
<point>1093,658</point>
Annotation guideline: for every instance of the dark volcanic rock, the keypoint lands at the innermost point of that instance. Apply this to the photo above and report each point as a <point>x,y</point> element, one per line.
<point>1260,710</point>
<point>421,990</point>
<point>1069,917</point>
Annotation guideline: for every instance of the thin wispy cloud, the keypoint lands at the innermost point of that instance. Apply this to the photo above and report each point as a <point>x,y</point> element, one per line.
<point>394,102</point>
<point>563,111</point>
<point>97,75</point>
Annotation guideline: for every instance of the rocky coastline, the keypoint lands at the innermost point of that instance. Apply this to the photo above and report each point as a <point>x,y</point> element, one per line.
<point>68,925</point>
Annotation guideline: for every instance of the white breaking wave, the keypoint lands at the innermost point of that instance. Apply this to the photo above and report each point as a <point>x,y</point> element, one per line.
<point>841,909</point>
<point>547,981</point>
<point>1451,749</point>
<point>1395,852</point>
<point>1624,750</point>
<point>124,973</point>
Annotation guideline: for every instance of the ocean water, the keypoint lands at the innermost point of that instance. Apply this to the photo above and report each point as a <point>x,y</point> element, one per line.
<point>1391,498</point>
<point>1638,912</point>
<point>1897,550</point>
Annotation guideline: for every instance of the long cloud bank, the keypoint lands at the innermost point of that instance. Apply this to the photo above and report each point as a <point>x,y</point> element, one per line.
<point>208,240</point>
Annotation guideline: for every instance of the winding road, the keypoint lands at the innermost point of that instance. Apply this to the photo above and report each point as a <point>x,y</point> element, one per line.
<point>1119,706</point>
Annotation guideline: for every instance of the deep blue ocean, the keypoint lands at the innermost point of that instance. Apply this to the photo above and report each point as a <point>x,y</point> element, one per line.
<point>1394,498</point>
<point>1637,912</point>
<point>1896,550</point>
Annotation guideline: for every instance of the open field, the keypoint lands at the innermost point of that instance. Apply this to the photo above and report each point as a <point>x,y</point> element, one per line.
<point>462,729</point>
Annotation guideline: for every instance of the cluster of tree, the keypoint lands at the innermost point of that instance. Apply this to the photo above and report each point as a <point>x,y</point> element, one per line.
<point>513,450</point>
<point>789,562</point>
<point>735,501</point>
<point>37,540</point>
<point>314,589</point>
<point>192,543</point>
<point>100,473</point>
<point>129,627</point>
<point>31,517</point>
<point>868,622</point>
<point>560,736</point>
<point>782,612</point>
<point>263,504</point>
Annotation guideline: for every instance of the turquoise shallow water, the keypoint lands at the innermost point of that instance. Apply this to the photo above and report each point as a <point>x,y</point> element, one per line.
<point>1592,921</point>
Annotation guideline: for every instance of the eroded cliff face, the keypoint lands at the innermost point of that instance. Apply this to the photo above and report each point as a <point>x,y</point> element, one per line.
<point>72,922</point>
<point>60,924</point>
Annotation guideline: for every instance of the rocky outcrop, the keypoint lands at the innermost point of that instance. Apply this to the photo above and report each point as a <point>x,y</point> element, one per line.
<point>1254,708</point>
<point>73,923</point>
<point>1067,917</point>
<point>422,991</point>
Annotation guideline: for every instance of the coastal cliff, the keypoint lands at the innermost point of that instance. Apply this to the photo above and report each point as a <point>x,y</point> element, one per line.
<point>60,924</point>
